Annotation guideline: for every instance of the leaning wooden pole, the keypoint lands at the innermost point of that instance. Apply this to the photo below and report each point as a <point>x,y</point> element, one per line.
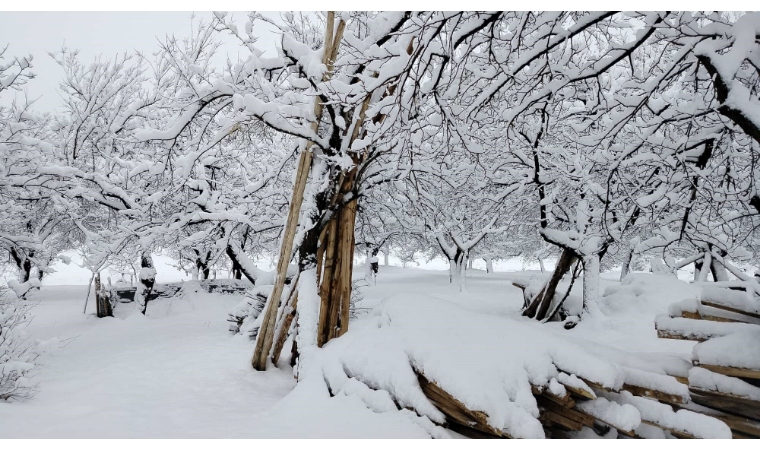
<point>266,332</point>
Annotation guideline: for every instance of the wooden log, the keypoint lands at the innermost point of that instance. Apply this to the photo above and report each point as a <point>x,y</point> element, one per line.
<point>571,414</point>
<point>266,334</point>
<point>566,401</point>
<point>736,423</point>
<point>677,433</point>
<point>282,333</point>
<point>726,403</point>
<point>563,421</point>
<point>455,411</point>
<point>731,309</point>
<point>667,334</point>
<point>731,371</point>
<point>579,392</point>
<point>471,432</point>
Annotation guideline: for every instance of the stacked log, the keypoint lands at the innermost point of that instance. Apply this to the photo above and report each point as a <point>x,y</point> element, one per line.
<point>561,415</point>
<point>730,393</point>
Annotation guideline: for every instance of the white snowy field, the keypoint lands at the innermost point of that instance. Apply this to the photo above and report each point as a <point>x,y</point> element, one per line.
<point>178,373</point>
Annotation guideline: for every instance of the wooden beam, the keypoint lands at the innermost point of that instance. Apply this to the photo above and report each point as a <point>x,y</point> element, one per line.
<point>566,401</point>
<point>731,371</point>
<point>455,411</point>
<point>729,308</point>
<point>572,414</point>
<point>668,334</point>
<point>563,421</point>
<point>727,403</point>
<point>664,397</point>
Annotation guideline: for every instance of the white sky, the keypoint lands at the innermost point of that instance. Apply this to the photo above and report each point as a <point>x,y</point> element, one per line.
<point>93,33</point>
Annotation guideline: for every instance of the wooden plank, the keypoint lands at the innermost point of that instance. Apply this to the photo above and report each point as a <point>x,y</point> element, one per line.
<point>667,334</point>
<point>566,401</point>
<point>562,421</point>
<point>471,432</point>
<point>677,433</point>
<point>572,414</point>
<point>455,411</point>
<point>729,404</point>
<point>731,371</point>
<point>655,394</point>
<point>729,308</point>
<point>682,380</point>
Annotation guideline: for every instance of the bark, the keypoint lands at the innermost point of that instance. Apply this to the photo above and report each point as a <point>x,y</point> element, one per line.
<point>626,268</point>
<point>489,265</point>
<point>385,258</point>
<point>541,303</point>
<point>147,280</point>
<point>23,264</point>
<point>102,299</point>
<point>697,269</point>
<point>337,268</point>
<point>719,272</point>
<point>541,264</point>
<point>590,282</point>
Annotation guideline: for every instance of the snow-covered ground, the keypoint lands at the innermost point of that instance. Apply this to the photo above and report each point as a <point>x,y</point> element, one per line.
<point>178,373</point>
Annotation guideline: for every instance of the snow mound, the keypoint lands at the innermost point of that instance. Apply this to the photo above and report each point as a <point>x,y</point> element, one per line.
<point>644,294</point>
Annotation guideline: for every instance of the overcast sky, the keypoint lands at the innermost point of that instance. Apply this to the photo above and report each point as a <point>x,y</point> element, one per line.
<point>93,33</point>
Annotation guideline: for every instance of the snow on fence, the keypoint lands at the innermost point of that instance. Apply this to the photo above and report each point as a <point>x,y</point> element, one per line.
<point>725,380</point>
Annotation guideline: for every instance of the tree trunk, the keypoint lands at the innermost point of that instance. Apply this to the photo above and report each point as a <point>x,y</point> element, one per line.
<point>626,268</point>
<point>697,269</point>
<point>335,280</point>
<point>541,264</point>
<point>23,264</point>
<point>590,282</point>
<point>541,303</point>
<point>102,300</point>
<point>489,265</point>
<point>385,258</point>
<point>469,264</point>
<point>719,272</point>
<point>705,267</point>
<point>147,280</point>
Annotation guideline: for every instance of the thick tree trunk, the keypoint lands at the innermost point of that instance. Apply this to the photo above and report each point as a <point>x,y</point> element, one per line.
<point>337,268</point>
<point>23,264</point>
<point>626,267</point>
<point>590,282</point>
<point>147,280</point>
<point>489,265</point>
<point>541,303</point>
<point>102,299</point>
<point>541,264</point>
<point>719,272</point>
<point>697,269</point>
<point>385,258</point>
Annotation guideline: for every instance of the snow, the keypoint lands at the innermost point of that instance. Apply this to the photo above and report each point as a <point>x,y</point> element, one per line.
<point>733,350</point>
<point>622,417</point>
<point>682,420</point>
<point>178,366</point>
